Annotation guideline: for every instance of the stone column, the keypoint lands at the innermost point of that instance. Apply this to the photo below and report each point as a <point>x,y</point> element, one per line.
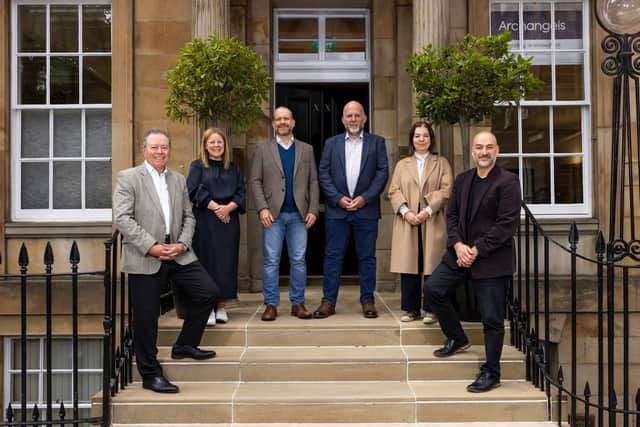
<point>431,26</point>
<point>211,16</point>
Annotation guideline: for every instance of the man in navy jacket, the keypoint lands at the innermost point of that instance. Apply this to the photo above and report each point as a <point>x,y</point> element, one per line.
<point>353,172</point>
<point>482,217</point>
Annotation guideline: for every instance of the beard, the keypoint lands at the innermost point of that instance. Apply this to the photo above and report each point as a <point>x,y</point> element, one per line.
<point>283,130</point>
<point>354,130</point>
<point>485,162</point>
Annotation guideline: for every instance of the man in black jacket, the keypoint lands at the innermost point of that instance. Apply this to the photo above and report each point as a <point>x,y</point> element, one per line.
<point>482,217</point>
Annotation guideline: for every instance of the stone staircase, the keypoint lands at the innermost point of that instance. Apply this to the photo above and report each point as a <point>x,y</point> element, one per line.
<point>344,369</point>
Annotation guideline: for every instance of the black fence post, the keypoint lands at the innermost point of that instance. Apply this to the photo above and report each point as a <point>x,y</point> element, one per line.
<point>625,345</point>
<point>587,396</point>
<point>573,243</point>
<point>48,263</point>
<point>106,340</point>
<point>23,261</point>
<point>74,260</point>
<point>600,249</point>
<point>560,385</point>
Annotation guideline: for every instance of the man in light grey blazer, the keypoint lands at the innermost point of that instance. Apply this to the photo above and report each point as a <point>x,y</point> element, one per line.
<point>152,211</point>
<point>284,183</point>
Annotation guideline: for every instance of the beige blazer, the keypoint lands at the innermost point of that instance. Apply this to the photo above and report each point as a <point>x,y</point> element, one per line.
<point>434,191</point>
<point>138,216</point>
<point>267,182</point>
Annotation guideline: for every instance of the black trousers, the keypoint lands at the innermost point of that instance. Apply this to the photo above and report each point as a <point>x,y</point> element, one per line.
<point>491,294</point>
<point>411,298</point>
<point>199,293</point>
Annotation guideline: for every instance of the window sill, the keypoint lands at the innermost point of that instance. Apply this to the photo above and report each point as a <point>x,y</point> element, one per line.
<point>48,230</point>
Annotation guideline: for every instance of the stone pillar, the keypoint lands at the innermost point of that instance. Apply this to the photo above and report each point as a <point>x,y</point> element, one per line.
<point>431,26</point>
<point>211,16</point>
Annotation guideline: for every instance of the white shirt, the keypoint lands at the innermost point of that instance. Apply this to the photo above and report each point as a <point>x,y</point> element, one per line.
<point>352,160</point>
<point>160,182</point>
<point>283,145</point>
<point>420,160</point>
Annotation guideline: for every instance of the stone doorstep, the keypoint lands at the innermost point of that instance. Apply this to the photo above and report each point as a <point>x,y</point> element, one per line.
<point>371,401</point>
<point>466,424</point>
<point>391,363</point>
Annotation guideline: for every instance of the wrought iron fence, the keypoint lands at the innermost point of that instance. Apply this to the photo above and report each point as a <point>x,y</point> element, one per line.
<point>529,313</point>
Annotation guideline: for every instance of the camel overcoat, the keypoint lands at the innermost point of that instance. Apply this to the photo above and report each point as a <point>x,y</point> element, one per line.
<point>434,191</point>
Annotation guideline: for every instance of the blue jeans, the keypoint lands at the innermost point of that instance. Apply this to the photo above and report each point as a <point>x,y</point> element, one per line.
<point>337,232</point>
<point>289,225</point>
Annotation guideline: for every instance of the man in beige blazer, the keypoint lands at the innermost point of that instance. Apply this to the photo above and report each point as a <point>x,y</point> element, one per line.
<point>152,211</point>
<point>284,183</point>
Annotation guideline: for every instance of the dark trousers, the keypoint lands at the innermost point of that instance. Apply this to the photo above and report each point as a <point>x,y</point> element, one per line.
<point>411,295</point>
<point>491,294</point>
<point>199,293</point>
<point>337,233</point>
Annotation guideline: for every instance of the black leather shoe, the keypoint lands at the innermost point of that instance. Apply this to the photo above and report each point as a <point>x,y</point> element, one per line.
<point>452,347</point>
<point>187,351</point>
<point>159,384</point>
<point>484,382</point>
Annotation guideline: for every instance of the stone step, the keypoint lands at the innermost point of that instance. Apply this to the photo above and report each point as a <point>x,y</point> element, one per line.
<point>315,402</point>
<point>392,363</point>
<point>468,424</point>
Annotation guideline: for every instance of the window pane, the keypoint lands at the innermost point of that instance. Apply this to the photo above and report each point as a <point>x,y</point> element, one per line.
<point>64,80</point>
<point>60,387</point>
<point>535,130</point>
<point>34,133</point>
<point>32,389</point>
<point>298,28</point>
<point>345,46</point>
<point>67,128</point>
<point>505,128</point>
<point>344,28</point>
<point>32,28</point>
<point>90,353</point>
<point>509,163</point>
<point>567,130</point>
<point>98,185</point>
<point>67,181</point>
<point>64,28</point>
<point>32,80</point>
<point>543,72</point>
<point>98,138</point>
<point>61,354</point>
<point>96,80</point>
<point>537,25</point>
<point>537,183</point>
<point>568,179</point>
<point>33,353</point>
<point>569,28</point>
<point>88,384</point>
<point>96,28</point>
<point>570,81</point>
<point>299,47</point>
<point>504,16</point>
<point>34,191</point>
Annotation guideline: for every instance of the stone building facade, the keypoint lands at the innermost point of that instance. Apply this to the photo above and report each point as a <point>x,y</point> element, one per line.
<point>353,47</point>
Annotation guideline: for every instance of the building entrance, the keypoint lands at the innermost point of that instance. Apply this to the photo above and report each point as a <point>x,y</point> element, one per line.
<point>317,109</point>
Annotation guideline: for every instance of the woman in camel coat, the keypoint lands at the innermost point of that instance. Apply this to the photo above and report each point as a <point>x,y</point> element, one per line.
<point>419,192</point>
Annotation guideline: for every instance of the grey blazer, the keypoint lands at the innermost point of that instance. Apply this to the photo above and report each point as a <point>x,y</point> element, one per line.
<point>138,216</point>
<point>267,180</point>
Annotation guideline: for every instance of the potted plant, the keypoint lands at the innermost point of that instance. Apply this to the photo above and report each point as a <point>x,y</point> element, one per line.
<point>464,81</point>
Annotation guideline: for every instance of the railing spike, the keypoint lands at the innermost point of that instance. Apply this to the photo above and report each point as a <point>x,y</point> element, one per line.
<point>48,254</point>
<point>62,413</point>
<point>560,375</point>
<point>613,399</point>
<point>35,415</point>
<point>23,257</point>
<point>573,234</point>
<point>9,413</point>
<point>74,256</point>
<point>600,244</point>
<point>638,398</point>
<point>587,390</point>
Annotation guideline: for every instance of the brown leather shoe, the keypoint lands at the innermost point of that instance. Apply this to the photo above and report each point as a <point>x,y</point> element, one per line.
<point>369,310</point>
<point>300,311</point>
<point>270,313</point>
<point>325,310</point>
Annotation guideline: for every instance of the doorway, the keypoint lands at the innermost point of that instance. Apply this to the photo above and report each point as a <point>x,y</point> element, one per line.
<point>317,110</point>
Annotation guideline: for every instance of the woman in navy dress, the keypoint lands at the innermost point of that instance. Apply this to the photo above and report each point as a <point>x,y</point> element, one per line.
<point>217,190</point>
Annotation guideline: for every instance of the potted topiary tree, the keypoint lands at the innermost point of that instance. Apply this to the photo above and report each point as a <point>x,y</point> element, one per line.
<point>215,81</point>
<point>463,82</point>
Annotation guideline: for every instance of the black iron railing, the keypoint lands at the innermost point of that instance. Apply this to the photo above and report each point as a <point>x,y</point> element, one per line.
<point>530,316</point>
<point>28,413</point>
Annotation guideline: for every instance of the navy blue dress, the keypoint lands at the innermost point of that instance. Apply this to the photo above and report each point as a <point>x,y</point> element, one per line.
<point>217,244</point>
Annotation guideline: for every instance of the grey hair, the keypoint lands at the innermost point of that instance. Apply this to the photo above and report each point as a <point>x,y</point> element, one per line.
<point>155,131</point>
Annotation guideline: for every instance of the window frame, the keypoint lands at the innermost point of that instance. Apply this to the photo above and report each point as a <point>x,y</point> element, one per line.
<point>51,214</point>
<point>557,210</point>
<point>321,70</point>
<point>42,372</point>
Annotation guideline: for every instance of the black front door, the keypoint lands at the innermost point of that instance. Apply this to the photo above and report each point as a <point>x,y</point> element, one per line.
<point>317,109</point>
